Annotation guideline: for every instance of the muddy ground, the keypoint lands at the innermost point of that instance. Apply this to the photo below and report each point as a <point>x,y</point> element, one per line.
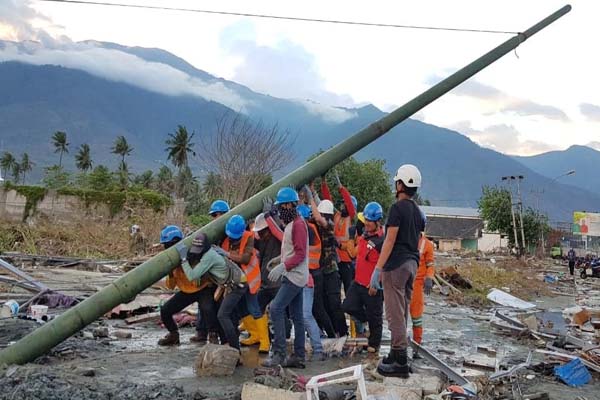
<point>136,368</point>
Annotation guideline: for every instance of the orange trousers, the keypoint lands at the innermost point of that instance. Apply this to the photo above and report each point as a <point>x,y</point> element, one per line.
<point>417,305</point>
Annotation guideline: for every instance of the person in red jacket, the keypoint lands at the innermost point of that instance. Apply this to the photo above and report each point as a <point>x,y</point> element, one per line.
<point>364,303</point>
<point>422,285</point>
<point>343,221</point>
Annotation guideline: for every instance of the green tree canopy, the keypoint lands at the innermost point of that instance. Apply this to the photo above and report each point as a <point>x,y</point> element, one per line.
<point>7,163</point>
<point>26,165</point>
<point>179,146</point>
<point>83,158</point>
<point>121,147</point>
<point>100,179</point>
<point>495,209</point>
<point>367,181</point>
<point>59,140</point>
<point>55,177</point>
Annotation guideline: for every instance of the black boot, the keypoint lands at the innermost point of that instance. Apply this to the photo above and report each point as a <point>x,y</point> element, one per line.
<point>275,360</point>
<point>391,357</point>
<point>399,366</point>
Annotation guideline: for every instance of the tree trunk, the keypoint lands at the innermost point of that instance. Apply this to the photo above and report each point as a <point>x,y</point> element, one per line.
<point>60,160</point>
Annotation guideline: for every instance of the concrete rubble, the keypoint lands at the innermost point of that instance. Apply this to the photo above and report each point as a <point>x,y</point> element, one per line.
<point>481,348</point>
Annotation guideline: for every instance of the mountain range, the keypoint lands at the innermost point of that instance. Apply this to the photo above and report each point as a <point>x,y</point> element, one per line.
<point>94,105</point>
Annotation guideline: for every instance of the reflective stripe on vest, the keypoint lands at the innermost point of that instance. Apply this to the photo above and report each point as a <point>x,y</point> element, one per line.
<point>252,269</point>
<point>314,250</point>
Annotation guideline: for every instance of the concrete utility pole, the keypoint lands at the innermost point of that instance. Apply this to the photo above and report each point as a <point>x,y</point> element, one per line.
<point>512,213</point>
<point>518,179</point>
<point>124,289</point>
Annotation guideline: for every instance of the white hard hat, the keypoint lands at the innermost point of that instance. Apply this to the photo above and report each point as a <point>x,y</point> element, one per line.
<point>260,223</point>
<point>325,207</point>
<point>409,175</point>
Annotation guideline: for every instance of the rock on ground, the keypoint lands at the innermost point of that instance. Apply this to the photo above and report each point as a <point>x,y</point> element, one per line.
<point>253,391</point>
<point>415,387</point>
<point>216,360</point>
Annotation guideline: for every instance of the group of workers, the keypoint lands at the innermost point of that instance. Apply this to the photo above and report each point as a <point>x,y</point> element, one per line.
<point>306,264</point>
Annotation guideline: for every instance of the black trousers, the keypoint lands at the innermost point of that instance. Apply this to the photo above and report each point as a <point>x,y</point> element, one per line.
<point>228,315</point>
<point>346,270</point>
<point>366,308</point>
<point>333,303</point>
<point>319,311</point>
<point>181,300</point>
<point>571,267</point>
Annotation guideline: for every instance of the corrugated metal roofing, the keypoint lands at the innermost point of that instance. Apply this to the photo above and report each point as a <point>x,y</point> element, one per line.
<point>450,211</point>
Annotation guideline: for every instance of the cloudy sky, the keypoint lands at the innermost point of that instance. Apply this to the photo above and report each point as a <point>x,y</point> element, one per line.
<point>542,97</point>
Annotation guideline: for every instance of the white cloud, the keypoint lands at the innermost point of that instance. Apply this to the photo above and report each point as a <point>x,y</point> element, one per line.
<point>502,138</point>
<point>282,69</point>
<point>123,67</point>
<point>590,111</point>
<point>327,113</point>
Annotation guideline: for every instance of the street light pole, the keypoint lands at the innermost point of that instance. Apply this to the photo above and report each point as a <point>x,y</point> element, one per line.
<point>518,178</point>
<point>512,211</point>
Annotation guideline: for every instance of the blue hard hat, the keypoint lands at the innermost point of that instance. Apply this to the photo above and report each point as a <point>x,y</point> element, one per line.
<point>286,195</point>
<point>355,202</point>
<point>170,233</point>
<point>218,206</point>
<point>304,211</point>
<point>373,211</point>
<point>235,227</point>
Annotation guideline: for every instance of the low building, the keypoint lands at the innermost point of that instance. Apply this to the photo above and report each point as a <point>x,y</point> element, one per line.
<point>458,228</point>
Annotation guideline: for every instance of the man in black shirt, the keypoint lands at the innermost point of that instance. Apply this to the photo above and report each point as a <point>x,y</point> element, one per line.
<point>397,266</point>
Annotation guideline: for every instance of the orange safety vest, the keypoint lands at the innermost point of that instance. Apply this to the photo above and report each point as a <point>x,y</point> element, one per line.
<point>342,234</point>
<point>314,249</point>
<point>252,269</point>
<point>426,267</point>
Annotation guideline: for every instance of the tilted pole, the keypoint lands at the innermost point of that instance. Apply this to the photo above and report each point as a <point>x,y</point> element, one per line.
<point>124,289</point>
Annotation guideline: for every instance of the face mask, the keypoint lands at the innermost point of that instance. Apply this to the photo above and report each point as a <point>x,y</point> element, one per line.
<point>287,215</point>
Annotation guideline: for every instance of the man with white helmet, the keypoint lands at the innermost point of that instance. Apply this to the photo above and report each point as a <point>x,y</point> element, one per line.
<point>397,266</point>
<point>327,278</point>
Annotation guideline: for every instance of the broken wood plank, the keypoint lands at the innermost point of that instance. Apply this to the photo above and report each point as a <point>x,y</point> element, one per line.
<point>568,357</point>
<point>510,320</point>
<point>445,282</point>
<point>142,318</point>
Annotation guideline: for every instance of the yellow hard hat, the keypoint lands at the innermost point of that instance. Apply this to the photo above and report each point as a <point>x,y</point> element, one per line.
<point>361,217</point>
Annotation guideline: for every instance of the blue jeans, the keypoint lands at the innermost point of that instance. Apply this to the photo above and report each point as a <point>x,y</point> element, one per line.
<point>252,305</point>
<point>288,296</point>
<point>314,333</point>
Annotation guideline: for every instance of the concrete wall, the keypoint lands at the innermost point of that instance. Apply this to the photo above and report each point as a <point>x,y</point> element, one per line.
<point>449,244</point>
<point>491,241</point>
<point>62,208</point>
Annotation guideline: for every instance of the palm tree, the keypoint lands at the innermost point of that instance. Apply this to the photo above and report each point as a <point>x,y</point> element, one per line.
<point>26,165</point>
<point>123,175</point>
<point>179,144</point>
<point>59,140</point>
<point>83,158</point>
<point>122,148</point>
<point>7,163</point>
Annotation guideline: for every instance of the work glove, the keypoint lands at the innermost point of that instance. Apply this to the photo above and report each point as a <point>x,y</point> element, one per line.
<point>376,279</point>
<point>337,179</point>
<point>276,273</point>
<point>307,193</point>
<point>428,286</point>
<point>182,250</point>
<point>267,204</point>
<point>221,251</point>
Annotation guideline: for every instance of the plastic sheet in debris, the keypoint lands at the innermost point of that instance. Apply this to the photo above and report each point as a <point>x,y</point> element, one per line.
<point>505,299</point>
<point>573,373</point>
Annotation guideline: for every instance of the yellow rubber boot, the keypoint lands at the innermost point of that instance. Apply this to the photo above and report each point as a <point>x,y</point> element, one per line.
<point>352,328</point>
<point>250,324</point>
<point>262,327</point>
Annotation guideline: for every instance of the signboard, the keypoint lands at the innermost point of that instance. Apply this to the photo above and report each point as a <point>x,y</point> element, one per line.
<point>586,224</point>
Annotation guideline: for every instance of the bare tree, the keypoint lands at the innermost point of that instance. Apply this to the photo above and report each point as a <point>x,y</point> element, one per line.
<point>242,155</point>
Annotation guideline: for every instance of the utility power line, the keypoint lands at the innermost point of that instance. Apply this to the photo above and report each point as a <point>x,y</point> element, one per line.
<point>281,17</point>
